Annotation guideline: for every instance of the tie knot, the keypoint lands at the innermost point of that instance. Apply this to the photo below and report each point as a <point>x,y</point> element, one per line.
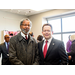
<point>46,41</point>
<point>7,43</point>
<point>26,37</point>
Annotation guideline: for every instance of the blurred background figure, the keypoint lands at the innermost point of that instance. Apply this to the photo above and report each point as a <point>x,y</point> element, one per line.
<point>31,33</point>
<point>39,38</point>
<point>68,49</point>
<point>4,50</point>
<point>71,55</point>
<point>68,45</point>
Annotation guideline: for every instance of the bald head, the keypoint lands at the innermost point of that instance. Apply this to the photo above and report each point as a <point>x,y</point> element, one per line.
<point>31,33</point>
<point>7,38</point>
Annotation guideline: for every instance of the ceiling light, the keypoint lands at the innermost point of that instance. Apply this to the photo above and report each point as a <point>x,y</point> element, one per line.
<point>37,9</point>
<point>26,13</point>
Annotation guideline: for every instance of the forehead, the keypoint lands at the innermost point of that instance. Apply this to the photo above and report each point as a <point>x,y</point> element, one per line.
<point>26,22</point>
<point>47,27</point>
<point>6,35</point>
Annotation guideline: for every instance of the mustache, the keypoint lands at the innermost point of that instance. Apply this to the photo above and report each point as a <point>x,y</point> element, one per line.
<point>23,30</point>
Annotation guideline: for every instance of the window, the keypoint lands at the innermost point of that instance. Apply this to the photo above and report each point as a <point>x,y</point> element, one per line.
<point>68,24</point>
<point>57,36</point>
<point>66,38</point>
<point>56,24</point>
<point>63,26</point>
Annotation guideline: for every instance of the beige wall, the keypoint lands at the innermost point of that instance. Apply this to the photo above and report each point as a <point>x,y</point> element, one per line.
<point>37,19</point>
<point>9,21</point>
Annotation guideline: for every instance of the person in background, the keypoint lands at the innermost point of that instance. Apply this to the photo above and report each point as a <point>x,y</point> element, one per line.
<point>68,45</point>
<point>31,33</point>
<point>39,38</point>
<point>4,50</point>
<point>71,55</point>
<point>23,48</point>
<point>68,49</point>
<point>51,51</point>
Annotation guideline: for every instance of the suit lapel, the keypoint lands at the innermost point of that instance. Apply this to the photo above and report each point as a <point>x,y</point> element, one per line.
<point>4,47</point>
<point>50,47</point>
<point>41,45</point>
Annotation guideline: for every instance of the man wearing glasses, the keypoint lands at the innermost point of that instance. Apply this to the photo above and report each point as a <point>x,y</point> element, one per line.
<point>23,47</point>
<point>51,51</point>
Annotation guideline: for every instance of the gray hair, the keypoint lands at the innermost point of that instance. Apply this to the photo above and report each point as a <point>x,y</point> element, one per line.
<point>27,20</point>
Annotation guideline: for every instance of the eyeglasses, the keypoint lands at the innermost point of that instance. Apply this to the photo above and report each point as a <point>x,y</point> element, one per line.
<point>46,30</point>
<point>26,25</point>
<point>7,37</point>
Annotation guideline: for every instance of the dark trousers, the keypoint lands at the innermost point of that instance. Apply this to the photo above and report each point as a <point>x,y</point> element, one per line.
<point>5,61</point>
<point>70,62</point>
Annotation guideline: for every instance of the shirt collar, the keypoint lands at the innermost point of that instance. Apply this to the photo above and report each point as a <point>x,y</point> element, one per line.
<point>24,35</point>
<point>49,40</point>
<point>6,42</point>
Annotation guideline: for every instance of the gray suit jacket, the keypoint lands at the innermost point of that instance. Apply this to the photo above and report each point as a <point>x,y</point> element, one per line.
<point>21,53</point>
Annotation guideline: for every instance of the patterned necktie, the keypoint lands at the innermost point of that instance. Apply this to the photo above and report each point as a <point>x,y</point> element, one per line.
<point>26,37</point>
<point>45,49</point>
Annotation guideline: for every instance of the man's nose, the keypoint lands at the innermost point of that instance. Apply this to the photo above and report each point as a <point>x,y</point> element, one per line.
<point>26,25</point>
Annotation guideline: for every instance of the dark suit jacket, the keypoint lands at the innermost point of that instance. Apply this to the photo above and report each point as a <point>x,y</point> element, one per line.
<point>4,52</point>
<point>56,53</point>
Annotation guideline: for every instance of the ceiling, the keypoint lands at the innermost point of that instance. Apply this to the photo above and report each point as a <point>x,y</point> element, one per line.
<point>26,12</point>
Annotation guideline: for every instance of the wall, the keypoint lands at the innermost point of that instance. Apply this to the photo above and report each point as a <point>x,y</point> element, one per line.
<point>37,20</point>
<point>9,21</point>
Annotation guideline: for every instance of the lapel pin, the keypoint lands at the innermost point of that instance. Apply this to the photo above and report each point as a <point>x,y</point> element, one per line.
<point>53,43</point>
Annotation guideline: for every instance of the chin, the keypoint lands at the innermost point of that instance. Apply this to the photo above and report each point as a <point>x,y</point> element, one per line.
<point>47,37</point>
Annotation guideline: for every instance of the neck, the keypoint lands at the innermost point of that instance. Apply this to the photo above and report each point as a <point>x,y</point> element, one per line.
<point>7,42</point>
<point>48,38</point>
<point>24,33</point>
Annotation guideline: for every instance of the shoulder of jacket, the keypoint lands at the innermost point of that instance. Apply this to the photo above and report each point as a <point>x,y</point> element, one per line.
<point>58,41</point>
<point>32,38</point>
<point>2,43</point>
<point>14,38</point>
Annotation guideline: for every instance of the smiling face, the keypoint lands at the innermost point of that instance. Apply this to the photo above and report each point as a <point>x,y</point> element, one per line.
<point>25,27</point>
<point>47,32</point>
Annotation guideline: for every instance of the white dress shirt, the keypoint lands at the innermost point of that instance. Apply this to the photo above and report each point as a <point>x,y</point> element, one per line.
<point>48,43</point>
<point>6,45</point>
<point>24,35</point>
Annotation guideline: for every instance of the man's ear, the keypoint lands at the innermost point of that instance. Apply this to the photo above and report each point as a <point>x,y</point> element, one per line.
<point>52,32</point>
<point>42,32</point>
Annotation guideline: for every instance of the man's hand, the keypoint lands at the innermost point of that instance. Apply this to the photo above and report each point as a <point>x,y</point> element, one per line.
<point>69,57</point>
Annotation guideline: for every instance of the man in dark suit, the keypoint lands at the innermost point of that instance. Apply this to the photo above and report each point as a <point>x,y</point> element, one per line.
<point>4,47</point>
<point>51,51</point>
